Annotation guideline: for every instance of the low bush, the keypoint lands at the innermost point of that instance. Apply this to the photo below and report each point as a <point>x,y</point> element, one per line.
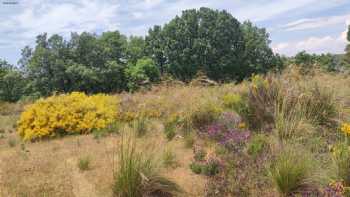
<point>170,126</point>
<point>291,172</point>
<point>235,102</point>
<point>137,175</point>
<point>211,168</point>
<point>84,163</point>
<point>66,114</point>
<point>196,168</point>
<point>205,115</point>
<point>257,145</point>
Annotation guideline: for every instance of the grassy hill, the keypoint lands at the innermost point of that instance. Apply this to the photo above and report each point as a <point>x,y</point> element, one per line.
<point>274,135</point>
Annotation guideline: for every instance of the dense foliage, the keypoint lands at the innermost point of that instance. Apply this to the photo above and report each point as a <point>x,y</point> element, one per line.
<point>209,41</point>
<point>66,114</point>
<point>204,40</point>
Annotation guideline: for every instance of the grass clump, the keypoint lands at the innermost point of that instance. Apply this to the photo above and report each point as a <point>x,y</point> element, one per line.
<point>196,168</point>
<point>169,159</point>
<point>170,127</point>
<point>12,142</point>
<point>342,160</point>
<point>140,126</point>
<point>84,163</point>
<point>292,172</point>
<point>257,145</point>
<point>137,174</point>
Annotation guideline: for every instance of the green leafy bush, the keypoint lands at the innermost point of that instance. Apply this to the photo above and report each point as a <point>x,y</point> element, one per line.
<point>84,163</point>
<point>257,145</point>
<point>196,168</point>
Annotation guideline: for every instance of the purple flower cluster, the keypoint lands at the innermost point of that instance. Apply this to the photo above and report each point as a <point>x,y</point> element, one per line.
<point>226,130</point>
<point>235,136</point>
<point>229,120</point>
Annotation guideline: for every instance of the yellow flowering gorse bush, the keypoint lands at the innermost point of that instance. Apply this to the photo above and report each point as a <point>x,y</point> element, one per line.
<point>346,128</point>
<point>67,114</point>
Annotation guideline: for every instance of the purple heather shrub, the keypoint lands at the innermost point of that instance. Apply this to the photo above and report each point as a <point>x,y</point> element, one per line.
<point>235,136</point>
<point>229,120</point>
<point>215,131</point>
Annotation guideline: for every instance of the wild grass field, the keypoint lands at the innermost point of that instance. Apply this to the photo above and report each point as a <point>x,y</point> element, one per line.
<point>275,135</point>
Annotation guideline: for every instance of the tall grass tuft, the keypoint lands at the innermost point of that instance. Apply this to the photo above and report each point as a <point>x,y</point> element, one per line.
<point>137,174</point>
<point>342,160</point>
<point>140,126</point>
<point>292,172</point>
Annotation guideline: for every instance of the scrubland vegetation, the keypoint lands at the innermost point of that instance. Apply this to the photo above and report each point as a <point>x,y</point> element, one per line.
<point>168,124</point>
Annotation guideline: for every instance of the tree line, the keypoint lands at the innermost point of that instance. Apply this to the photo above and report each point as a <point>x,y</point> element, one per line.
<point>209,41</point>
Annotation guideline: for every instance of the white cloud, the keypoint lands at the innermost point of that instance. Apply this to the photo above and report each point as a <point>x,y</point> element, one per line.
<point>311,23</point>
<point>40,16</point>
<point>316,45</point>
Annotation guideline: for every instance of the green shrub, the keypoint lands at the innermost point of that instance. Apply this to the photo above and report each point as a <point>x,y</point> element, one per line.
<point>257,144</point>
<point>170,128</point>
<point>84,163</point>
<point>235,102</point>
<point>137,175</point>
<point>292,171</point>
<point>196,168</point>
<point>169,158</point>
<point>199,155</point>
<point>205,115</point>
<point>211,168</point>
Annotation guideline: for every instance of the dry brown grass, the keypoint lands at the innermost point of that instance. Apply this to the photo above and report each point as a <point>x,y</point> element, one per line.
<point>48,168</point>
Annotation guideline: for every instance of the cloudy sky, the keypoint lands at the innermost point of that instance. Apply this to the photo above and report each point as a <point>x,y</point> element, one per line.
<point>316,26</point>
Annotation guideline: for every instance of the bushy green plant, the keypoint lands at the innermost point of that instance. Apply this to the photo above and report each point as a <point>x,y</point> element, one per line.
<point>84,163</point>
<point>170,128</point>
<point>256,145</point>
<point>235,102</point>
<point>211,168</point>
<point>205,115</point>
<point>291,172</point>
<point>137,174</point>
<point>199,155</point>
<point>196,168</point>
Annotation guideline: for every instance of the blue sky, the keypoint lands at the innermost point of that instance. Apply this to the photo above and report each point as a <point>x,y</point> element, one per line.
<point>316,26</point>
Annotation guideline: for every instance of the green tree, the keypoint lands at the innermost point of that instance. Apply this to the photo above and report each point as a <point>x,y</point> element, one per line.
<point>11,82</point>
<point>258,56</point>
<point>155,45</point>
<point>135,49</point>
<point>143,72</point>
